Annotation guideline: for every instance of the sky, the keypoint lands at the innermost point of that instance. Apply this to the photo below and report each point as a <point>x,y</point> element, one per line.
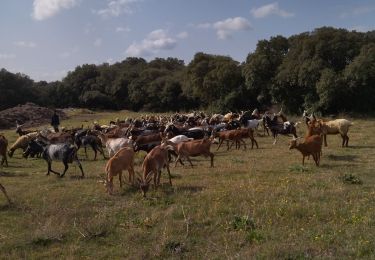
<point>45,39</point>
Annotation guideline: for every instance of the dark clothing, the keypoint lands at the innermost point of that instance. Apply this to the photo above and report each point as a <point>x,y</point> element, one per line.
<point>55,122</point>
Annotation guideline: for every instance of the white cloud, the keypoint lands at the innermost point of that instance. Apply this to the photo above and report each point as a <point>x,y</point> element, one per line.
<point>116,8</point>
<point>43,9</point>
<point>98,42</point>
<point>25,44</point>
<point>122,29</point>
<point>156,41</point>
<point>270,9</point>
<point>182,35</point>
<point>225,28</point>
<point>7,56</point>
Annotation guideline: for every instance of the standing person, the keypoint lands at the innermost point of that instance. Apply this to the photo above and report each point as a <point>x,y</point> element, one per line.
<point>55,121</point>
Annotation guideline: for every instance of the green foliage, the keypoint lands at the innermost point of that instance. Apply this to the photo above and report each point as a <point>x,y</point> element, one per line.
<point>351,179</point>
<point>329,70</point>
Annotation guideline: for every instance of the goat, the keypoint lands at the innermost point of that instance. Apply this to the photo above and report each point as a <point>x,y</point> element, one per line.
<point>276,128</point>
<point>333,127</point>
<point>5,193</point>
<point>311,146</point>
<point>22,142</point>
<point>84,138</point>
<point>230,135</point>
<point>113,145</point>
<point>249,133</point>
<point>22,132</point>
<point>66,153</point>
<point>35,147</point>
<point>193,148</point>
<point>61,152</point>
<point>153,163</point>
<point>3,150</point>
<point>122,160</point>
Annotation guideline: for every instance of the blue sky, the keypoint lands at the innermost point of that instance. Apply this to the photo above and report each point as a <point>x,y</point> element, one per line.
<point>47,38</point>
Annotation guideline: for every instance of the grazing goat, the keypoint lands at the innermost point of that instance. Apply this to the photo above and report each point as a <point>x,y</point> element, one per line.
<point>311,146</point>
<point>22,142</point>
<point>5,193</point>
<point>122,160</point>
<point>193,148</point>
<point>153,163</point>
<point>333,127</point>
<point>3,150</point>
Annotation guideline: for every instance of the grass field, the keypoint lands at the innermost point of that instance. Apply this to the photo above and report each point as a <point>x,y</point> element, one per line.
<point>257,203</point>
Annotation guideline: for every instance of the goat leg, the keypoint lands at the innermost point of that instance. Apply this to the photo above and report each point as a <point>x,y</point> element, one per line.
<point>169,175</point>
<point>50,169</point>
<point>5,193</point>
<point>65,169</point>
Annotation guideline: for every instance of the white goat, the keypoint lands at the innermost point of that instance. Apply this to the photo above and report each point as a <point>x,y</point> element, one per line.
<point>113,145</point>
<point>180,138</point>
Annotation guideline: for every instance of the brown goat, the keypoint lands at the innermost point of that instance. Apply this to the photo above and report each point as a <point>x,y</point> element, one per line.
<point>152,165</point>
<point>249,133</point>
<point>3,150</point>
<point>145,139</point>
<point>311,146</point>
<point>193,148</point>
<point>122,160</point>
<point>230,135</point>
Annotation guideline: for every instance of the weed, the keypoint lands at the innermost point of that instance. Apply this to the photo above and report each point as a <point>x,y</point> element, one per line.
<point>351,179</point>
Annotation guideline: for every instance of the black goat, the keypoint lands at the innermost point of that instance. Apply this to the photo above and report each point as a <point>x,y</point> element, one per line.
<point>195,133</point>
<point>277,128</point>
<point>83,138</point>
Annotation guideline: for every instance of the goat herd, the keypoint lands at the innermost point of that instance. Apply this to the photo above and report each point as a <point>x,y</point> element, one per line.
<point>162,137</point>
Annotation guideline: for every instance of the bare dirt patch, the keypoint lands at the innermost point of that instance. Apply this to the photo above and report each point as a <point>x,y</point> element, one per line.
<point>28,114</point>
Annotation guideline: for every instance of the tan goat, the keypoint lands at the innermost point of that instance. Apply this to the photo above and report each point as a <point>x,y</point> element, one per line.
<point>334,127</point>
<point>152,165</point>
<point>122,160</point>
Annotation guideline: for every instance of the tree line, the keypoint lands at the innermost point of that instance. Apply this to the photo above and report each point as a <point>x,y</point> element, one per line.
<point>328,70</point>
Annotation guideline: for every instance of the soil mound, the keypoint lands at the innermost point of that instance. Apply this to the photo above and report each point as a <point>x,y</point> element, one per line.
<point>28,114</point>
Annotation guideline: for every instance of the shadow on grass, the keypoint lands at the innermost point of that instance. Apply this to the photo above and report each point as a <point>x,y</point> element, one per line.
<point>361,146</point>
<point>14,206</point>
<point>342,157</point>
<point>12,174</point>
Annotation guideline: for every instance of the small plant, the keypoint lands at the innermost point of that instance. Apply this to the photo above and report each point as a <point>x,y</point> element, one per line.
<point>351,179</point>
<point>253,236</point>
<point>174,247</point>
<point>244,223</point>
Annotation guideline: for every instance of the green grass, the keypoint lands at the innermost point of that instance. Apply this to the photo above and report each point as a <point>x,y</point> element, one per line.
<point>256,203</point>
